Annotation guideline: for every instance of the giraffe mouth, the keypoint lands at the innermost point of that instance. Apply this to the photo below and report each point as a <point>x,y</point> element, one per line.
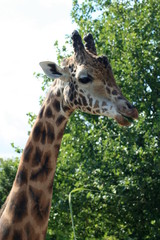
<point>123,120</point>
<point>126,120</point>
<point>129,119</point>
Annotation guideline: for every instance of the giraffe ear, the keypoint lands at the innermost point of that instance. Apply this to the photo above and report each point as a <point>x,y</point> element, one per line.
<point>52,70</point>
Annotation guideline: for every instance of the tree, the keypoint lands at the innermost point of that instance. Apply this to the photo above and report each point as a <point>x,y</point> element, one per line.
<point>8,169</point>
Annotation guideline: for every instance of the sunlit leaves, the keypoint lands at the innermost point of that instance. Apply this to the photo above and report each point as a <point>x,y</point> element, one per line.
<point>8,170</point>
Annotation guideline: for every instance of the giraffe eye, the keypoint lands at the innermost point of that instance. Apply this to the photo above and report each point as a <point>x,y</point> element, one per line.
<point>85,80</point>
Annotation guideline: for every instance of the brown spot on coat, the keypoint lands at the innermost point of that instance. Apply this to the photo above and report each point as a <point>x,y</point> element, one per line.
<point>98,111</point>
<point>80,102</point>
<point>66,108</point>
<point>81,91</point>
<point>22,176</point>
<point>104,104</point>
<point>89,109</point>
<point>56,149</point>
<point>59,120</point>
<point>105,110</point>
<point>75,102</point>
<point>50,186</point>
<point>27,152</point>
<point>71,97</point>
<point>60,134</point>
<point>96,105</point>
<point>50,133</point>
<point>42,173</point>
<point>56,105</point>
<point>114,92</point>
<point>18,206</point>
<point>48,112</point>
<point>108,90</point>
<point>58,93</point>
<point>37,131</point>
<point>90,102</point>
<point>17,235</point>
<point>41,112</point>
<point>40,206</point>
<point>37,156</point>
<point>84,101</point>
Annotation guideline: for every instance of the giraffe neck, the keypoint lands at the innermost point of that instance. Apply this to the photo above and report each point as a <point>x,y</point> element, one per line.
<point>26,211</point>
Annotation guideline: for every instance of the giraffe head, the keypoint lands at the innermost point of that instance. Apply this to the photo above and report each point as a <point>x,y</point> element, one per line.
<point>89,83</point>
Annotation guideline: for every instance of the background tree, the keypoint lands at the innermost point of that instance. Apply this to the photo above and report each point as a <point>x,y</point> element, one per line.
<point>8,169</point>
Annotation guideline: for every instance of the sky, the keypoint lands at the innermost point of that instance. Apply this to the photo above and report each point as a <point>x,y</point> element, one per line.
<point>28,30</point>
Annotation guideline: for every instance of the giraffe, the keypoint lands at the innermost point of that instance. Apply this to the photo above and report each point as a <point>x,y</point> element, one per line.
<point>86,82</point>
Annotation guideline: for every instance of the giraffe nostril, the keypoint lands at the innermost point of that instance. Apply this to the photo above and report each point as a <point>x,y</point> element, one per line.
<point>130,106</point>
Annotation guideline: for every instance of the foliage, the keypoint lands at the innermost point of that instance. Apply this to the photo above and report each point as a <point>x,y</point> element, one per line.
<point>8,169</point>
<point>17,149</point>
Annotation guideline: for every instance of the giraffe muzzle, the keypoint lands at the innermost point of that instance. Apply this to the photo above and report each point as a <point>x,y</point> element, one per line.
<point>127,117</point>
